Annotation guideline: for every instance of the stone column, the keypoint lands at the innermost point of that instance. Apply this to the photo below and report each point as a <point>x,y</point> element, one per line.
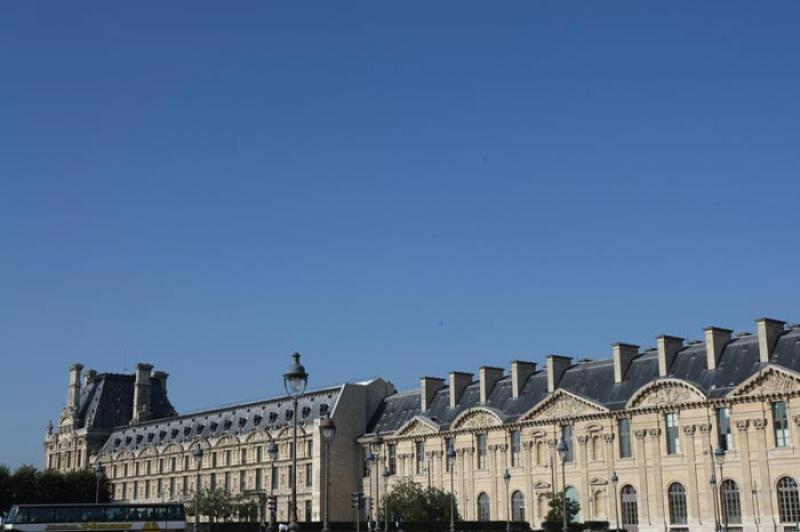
<point>658,487</point>
<point>583,439</point>
<point>765,489</point>
<point>461,482</point>
<point>611,495</point>
<point>493,493</point>
<point>746,486</point>
<point>708,470</point>
<point>641,458</point>
<point>527,468</point>
<point>691,459</point>
<point>470,470</point>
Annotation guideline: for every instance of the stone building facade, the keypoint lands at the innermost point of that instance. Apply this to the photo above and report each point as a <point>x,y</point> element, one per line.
<point>126,423</point>
<point>699,435</point>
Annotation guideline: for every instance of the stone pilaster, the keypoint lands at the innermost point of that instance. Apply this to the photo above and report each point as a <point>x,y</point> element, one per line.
<point>641,455</point>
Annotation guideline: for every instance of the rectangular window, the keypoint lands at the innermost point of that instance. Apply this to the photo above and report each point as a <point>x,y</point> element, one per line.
<point>309,448</point>
<point>243,456</point>
<point>135,489</point>
<point>515,445</point>
<point>725,436</point>
<point>147,489</point>
<point>391,450</point>
<point>125,470</point>
<point>136,469</point>
<point>274,478</point>
<point>480,443</point>
<point>566,436</point>
<point>228,458</point>
<point>186,463</point>
<point>173,465</point>
<point>308,510</point>
<point>259,453</point>
<point>242,482</point>
<point>171,487</point>
<point>420,457</point>
<point>214,459</point>
<point>161,465</point>
<point>185,485</point>
<point>228,487</point>
<point>625,448</point>
<point>448,444</point>
<point>259,479</point>
<point>780,420</point>
<point>309,475</point>
<point>673,433</point>
<point>160,488</point>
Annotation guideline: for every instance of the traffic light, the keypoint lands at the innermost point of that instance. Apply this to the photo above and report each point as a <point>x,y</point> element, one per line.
<point>357,499</point>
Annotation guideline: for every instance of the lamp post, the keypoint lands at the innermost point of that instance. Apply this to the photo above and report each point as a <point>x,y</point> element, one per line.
<point>615,482</point>
<point>370,458</point>
<point>451,457</point>
<point>719,456</point>
<point>507,480</point>
<point>385,499</point>
<point>294,380</point>
<point>373,458</point>
<point>197,452</point>
<point>272,451</point>
<point>712,482</point>
<point>562,452</point>
<point>327,430</point>
<point>98,473</point>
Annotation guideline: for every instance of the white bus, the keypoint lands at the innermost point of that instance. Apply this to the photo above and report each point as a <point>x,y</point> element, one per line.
<point>100,517</point>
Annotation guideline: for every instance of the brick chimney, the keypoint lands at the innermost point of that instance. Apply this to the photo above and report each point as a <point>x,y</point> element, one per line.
<point>623,354</point>
<point>141,393</point>
<point>458,381</point>
<point>556,366</point>
<point>768,332</point>
<point>716,338</point>
<point>428,386</point>
<point>161,377</point>
<point>74,388</point>
<point>520,371</point>
<point>488,377</point>
<point>668,347</point>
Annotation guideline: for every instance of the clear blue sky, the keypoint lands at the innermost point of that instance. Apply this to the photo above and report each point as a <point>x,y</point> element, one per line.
<point>395,189</point>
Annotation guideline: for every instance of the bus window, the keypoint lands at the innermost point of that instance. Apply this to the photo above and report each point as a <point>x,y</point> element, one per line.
<point>160,513</point>
<point>176,513</point>
<point>141,513</point>
<point>115,514</point>
<point>40,515</point>
<point>92,513</point>
<point>67,514</point>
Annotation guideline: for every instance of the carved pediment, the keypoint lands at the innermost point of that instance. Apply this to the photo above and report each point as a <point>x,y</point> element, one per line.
<point>541,485</point>
<point>477,418</point>
<point>597,481</point>
<point>562,404</point>
<point>770,380</point>
<point>418,426</point>
<point>666,392</point>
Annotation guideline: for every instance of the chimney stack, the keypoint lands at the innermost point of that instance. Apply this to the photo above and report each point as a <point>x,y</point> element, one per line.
<point>623,354</point>
<point>90,375</point>
<point>556,366</point>
<point>716,338</point>
<point>458,381</point>
<point>520,371</point>
<point>428,388</point>
<point>74,388</point>
<point>488,378</point>
<point>161,377</point>
<point>768,332</point>
<point>141,393</point>
<point>668,347</point>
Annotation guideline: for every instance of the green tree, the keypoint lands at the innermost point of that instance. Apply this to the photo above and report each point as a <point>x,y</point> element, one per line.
<point>6,492</point>
<point>554,520</point>
<point>215,505</point>
<point>409,501</point>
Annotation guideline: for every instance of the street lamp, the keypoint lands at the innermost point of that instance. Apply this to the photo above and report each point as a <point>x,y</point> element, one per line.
<point>294,380</point>
<point>719,456</point>
<point>712,482</point>
<point>451,457</point>
<point>615,482</point>
<point>98,473</point>
<point>327,429</point>
<point>272,451</point>
<point>197,452</point>
<point>385,499</point>
<point>507,479</point>
<point>563,449</point>
<point>370,458</point>
<point>373,458</point>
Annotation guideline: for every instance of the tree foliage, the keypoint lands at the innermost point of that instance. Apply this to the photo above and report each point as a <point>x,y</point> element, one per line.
<point>218,505</point>
<point>28,485</point>
<point>555,516</point>
<point>409,501</point>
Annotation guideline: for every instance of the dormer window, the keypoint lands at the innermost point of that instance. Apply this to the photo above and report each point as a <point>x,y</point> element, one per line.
<point>289,413</point>
<point>227,424</point>
<point>273,417</point>
<point>139,438</point>
<point>214,426</point>
<point>306,411</point>
<point>323,409</point>
<point>174,433</point>
<point>150,437</point>
<point>187,431</point>
<point>242,422</point>
<point>162,434</point>
<point>257,419</point>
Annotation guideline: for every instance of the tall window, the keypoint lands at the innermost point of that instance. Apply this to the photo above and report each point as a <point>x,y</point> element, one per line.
<point>484,508</point>
<point>781,422</point>
<point>566,435</point>
<point>259,453</point>
<point>186,463</point>
<point>259,479</point>
<point>308,510</point>
<point>517,506</point>
<point>242,482</point>
<point>731,507</point>
<point>419,454</point>
<point>625,449</point>
<point>673,433</point>
<point>571,495</point>
<point>540,452</point>
<point>480,443</point>
<point>309,475</point>
<point>185,485</point>
<point>515,445</point>
<point>392,452</point>
<point>630,508</point>
<point>243,456</point>
<point>788,500</point>
<point>677,504</point>
<point>448,444</point>
<point>214,459</point>
<point>228,482</point>
<point>227,458</point>
<point>309,448</point>
<point>273,476</point>
<point>596,447</point>
<point>725,436</point>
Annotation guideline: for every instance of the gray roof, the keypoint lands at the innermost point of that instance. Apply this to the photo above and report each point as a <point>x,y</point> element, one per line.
<point>268,414</point>
<point>594,380</point>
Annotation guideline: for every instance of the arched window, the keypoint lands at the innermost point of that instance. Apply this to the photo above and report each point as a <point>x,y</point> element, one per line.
<point>517,506</point>
<point>677,504</point>
<point>599,503</point>
<point>596,447</point>
<point>788,500</point>
<point>539,452</point>
<point>484,508</point>
<point>544,506</point>
<point>731,506</point>
<point>572,495</point>
<point>630,508</point>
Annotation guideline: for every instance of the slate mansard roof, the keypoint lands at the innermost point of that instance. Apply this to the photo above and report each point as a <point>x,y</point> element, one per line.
<point>106,401</point>
<point>594,380</point>
<point>268,415</point>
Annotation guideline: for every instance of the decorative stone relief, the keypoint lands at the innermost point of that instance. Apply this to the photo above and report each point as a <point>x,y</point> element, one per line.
<point>667,393</point>
<point>743,424</point>
<point>704,428</point>
<point>477,419</point>
<point>563,406</point>
<point>654,433</point>
<point>608,437</point>
<point>771,381</point>
<point>583,439</point>
<point>640,434</point>
<point>417,428</point>
<point>689,430</point>
<point>760,424</point>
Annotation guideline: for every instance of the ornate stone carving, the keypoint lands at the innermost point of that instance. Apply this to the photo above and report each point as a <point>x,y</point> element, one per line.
<point>608,437</point>
<point>640,434</point>
<point>562,406</point>
<point>704,428</point>
<point>743,424</point>
<point>476,420</point>
<point>689,430</point>
<point>654,433</point>
<point>770,381</point>
<point>527,444</point>
<point>666,393</point>
<point>416,427</point>
<point>583,439</point>
<point>760,424</point>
